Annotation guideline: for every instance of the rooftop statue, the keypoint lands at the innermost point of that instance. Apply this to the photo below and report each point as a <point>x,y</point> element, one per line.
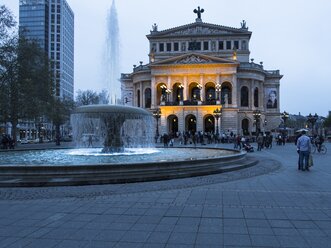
<point>154,28</point>
<point>243,25</point>
<point>198,12</point>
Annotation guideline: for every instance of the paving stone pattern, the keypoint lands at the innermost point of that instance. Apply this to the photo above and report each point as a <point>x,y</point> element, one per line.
<point>271,204</point>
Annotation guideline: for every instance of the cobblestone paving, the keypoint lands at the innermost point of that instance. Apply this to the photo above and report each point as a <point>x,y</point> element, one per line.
<point>267,166</point>
<point>271,204</point>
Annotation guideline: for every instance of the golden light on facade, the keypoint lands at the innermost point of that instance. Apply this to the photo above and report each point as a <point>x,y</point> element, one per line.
<point>234,55</point>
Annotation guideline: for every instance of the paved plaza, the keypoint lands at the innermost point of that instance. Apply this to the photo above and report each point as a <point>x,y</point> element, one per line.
<point>271,204</point>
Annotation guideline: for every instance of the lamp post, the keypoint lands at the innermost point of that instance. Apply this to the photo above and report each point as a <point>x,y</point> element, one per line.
<point>40,130</point>
<point>168,92</point>
<point>218,92</point>
<point>180,95</point>
<point>217,114</point>
<point>163,92</point>
<point>157,115</point>
<point>284,116</point>
<point>257,116</point>
<point>265,124</point>
<point>312,120</point>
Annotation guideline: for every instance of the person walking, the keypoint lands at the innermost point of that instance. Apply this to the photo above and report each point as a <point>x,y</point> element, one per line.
<point>90,138</point>
<point>303,147</point>
<point>296,143</point>
<point>259,141</point>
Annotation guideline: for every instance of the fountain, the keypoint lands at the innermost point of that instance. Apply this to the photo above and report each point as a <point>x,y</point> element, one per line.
<point>123,150</point>
<point>124,154</point>
<point>115,126</point>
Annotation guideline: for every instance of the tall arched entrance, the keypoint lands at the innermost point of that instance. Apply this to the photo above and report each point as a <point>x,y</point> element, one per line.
<point>191,123</point>
<point>209,124</point>
<point>244,126</point>
<point>172,124</point>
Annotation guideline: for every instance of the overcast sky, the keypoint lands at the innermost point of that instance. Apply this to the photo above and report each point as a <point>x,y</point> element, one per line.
<point>290,35</point>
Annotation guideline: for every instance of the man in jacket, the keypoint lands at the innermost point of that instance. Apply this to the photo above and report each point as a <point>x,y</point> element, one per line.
<point>304,147</point>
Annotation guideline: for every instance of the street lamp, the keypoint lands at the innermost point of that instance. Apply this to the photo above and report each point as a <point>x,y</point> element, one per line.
<point>257,116</point>
<point>40,130</point>
<point>312,120</point>
<point>168,91</point>
<point>163,92</point>
<point>217,114</point>
<point>218,91</point>
<point>284,116</point>
<point>157,115</point>
<point>180,95</point>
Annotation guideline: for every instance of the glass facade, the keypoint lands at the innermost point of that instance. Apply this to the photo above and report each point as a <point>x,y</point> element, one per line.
<point>51,23</point>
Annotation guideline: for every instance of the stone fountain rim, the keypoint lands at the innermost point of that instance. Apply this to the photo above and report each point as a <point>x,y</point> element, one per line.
<point>25,176</point>
<point>106,108</point>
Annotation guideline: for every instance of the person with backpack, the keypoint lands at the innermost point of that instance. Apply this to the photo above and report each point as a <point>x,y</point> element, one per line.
<point>303,148</point>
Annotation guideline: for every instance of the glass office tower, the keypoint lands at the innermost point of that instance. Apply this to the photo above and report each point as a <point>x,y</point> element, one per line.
<point>51,23</point>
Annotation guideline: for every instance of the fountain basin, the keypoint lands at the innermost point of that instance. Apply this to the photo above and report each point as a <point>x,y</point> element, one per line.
<point>125,172</point>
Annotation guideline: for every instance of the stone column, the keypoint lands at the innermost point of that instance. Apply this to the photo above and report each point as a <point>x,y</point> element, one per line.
<point>141,95</point>
<point>218,94</point>
<point>251,97</point>
<point>154,93</point>
<point>169,96</point>
<point>202,91</point>
<point>185,90</point>
<point>234,91</point>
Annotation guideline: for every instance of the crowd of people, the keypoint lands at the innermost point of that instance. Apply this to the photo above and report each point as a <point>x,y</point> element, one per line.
<point>7,142</point>
<point>264,140</point>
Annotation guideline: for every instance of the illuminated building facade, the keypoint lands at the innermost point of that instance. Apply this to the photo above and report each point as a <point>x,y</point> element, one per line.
<point>201,78</point>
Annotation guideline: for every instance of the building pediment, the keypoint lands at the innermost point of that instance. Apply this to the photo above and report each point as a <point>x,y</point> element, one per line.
<point>194,58</point>
<point>198,29</point>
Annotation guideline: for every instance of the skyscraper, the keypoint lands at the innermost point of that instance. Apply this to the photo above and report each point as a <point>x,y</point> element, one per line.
<point>51,23</point>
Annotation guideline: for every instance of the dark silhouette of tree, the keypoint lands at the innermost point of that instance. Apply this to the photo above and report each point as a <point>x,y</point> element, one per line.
<point>88,97</point>
<point>26,85</point>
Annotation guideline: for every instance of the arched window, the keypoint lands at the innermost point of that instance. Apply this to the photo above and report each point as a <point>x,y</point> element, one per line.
<point>191,124</point>
<point>195,94</point>
<point>138,98</point>
<point>209,124</point>
<point>256,97</point>
<point>244,97</point>
<point>226,93</point>
<point>148,98</point>
<point>210,94</point>
<point>161,93</point>
<point>177,92</point>
<point>173,124</point>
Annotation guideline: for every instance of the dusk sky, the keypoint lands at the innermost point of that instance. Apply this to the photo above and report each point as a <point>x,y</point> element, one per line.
<point>292,36</point>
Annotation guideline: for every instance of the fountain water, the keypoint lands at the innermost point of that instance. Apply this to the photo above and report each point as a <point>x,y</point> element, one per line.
<point>114,126</point>
<point>112,56</point>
